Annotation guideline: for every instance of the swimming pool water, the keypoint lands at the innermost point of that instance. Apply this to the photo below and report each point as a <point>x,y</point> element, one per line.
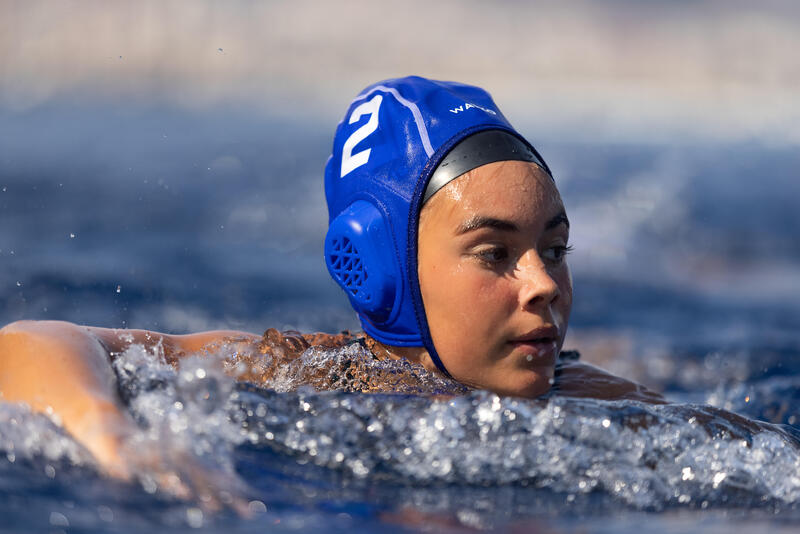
<point>303,459</point>
<point>686,270</point>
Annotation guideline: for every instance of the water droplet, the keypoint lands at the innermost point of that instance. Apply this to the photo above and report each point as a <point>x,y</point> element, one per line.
<point>119,289</point>
<point>194,517</point>
<point>256,507</point>
<point>71,235</point>
<point>105,514</point>
<point>19,284</point>
<point>359,469</point>
<point>219,49</point>
<point>58,519</point>
<point>149,485</point>
<point>50,471</point>
<point>606,423</point>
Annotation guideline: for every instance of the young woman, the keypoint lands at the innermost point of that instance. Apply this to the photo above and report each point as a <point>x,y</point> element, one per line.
<point>449,236</point>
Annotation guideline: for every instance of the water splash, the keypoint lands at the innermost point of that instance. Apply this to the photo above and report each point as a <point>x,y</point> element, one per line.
<point>27,435</point>
<point>188,430</point>
<point>431,435</point>
<point>353,368</point>
<point>649,457</point>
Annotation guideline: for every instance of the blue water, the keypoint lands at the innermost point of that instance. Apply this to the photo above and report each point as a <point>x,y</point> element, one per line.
<point>687,272</point>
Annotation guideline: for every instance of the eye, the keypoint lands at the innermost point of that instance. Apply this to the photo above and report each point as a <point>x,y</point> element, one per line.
<point>557,253</point>
<point>491,254</point>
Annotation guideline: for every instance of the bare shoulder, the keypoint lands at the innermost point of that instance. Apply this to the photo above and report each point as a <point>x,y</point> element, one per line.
<point>21,334</point>
<point>576,379</point>
<point>36,327</point>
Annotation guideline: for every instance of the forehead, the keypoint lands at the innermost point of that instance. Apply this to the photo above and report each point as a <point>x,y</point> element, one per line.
<point>513,190</point>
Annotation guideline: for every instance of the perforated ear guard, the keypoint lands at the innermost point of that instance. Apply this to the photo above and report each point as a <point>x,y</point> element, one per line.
<point>360,258</point>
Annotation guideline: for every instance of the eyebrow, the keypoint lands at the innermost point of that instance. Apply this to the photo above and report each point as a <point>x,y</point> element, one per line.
<point>561,218</point>
<point>478,221</point>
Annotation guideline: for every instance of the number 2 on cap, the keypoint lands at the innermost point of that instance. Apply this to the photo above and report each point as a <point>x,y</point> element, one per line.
<point>352,161</point>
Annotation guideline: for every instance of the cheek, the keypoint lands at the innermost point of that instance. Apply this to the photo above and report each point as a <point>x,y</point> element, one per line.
<point>494,298</point>
<point>465,305</point>
<point>564,304</point>
<point>566,283</point>
<point>444,292</point>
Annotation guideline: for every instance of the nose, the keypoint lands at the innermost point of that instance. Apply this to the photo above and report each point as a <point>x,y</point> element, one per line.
<point>537,285</point>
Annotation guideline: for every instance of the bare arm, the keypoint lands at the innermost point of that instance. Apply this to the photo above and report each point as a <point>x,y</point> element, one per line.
<point>64,369</point>
<point>116,340</point>
<point>61,369</point>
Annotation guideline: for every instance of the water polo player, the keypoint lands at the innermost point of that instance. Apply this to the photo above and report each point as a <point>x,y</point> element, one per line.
<point>447,233</point>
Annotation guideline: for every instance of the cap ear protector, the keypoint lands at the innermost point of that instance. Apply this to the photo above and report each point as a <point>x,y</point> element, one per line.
<point>360,258</point>
<point>395,134</point>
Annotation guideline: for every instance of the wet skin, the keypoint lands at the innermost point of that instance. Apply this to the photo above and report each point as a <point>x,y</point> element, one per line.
<point>495,282</point>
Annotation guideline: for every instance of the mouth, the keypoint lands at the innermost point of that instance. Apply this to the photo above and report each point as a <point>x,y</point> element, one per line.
<point>539,346</point>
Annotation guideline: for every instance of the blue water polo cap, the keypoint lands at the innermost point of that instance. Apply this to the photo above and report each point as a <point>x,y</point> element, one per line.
<point>394,136</point>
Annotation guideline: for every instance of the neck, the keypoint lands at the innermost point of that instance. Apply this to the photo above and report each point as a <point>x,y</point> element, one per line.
<point>417,355</point>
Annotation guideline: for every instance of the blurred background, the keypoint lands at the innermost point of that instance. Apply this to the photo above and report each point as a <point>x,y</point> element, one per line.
<point>161,162</point>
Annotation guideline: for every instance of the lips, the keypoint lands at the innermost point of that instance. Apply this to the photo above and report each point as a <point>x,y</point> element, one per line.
<point>541,334</point>
<point>539,346</point>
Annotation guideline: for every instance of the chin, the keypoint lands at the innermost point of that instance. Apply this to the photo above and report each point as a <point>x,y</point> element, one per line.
<point>527,387</point>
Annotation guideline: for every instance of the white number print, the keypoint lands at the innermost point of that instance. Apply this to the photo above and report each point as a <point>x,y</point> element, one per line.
<point>352,161</point>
